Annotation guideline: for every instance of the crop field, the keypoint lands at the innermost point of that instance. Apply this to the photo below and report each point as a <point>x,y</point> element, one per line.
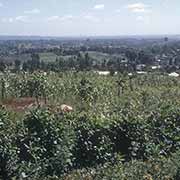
<point>98,55</point>
<point>48,57</point>
<point>121,126</point>
<point>89,90</point>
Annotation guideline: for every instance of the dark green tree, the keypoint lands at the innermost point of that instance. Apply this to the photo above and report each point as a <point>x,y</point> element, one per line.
<point>17,65</point>
<point>2,66</point>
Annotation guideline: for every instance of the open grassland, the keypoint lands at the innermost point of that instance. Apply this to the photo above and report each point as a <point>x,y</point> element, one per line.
<point>48,57</point>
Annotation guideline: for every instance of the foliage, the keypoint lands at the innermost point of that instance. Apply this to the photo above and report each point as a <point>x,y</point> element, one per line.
<point>109,135</point>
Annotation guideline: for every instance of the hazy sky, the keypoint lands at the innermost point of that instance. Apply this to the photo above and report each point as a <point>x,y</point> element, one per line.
<point>89,17</point>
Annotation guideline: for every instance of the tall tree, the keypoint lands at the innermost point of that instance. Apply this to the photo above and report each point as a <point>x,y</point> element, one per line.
<point>35,62</point>
<point>2,66</point>
<point>17,65</point>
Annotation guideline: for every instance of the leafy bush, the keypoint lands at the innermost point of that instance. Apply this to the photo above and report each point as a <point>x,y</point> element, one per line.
<point>8,149</point>
<point>93,144</point>
<point>154,169</point>
<point>49,141</point>
<point>141,125</point>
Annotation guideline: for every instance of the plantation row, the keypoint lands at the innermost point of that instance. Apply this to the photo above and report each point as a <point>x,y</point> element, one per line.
<point>122,127</point>
<point>73,88</point>
<point>44,144</point>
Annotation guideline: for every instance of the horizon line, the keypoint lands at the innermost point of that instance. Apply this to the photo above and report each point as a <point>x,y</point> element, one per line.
<point>51,37</point>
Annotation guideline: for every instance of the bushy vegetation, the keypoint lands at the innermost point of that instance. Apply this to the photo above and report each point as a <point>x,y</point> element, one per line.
<point>121,127</point>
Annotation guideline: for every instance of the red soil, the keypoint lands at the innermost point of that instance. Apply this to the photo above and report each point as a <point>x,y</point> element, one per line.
<point>20,104</point>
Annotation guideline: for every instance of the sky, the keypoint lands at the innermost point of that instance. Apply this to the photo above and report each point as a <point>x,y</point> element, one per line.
<point>89,17</point>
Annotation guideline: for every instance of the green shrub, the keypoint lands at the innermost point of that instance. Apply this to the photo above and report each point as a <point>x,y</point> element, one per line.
<point>93,143</point>
<point>8,149</point>
<point>47,142</point>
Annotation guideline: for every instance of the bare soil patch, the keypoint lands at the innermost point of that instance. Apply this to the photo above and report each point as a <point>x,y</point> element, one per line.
<point>20,104</point>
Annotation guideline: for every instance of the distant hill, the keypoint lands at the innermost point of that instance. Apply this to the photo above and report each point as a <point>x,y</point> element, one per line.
<point>137,37</point>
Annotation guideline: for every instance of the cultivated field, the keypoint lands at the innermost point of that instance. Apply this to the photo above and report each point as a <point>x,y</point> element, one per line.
<point>121,127</point>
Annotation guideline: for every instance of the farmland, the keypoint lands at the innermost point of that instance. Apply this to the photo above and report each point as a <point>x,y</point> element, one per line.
<point>89,90</point>
<point>75,109</point>
<point>123,126</point>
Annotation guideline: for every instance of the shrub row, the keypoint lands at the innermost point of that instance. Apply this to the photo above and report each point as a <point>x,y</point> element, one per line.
<point>43,144</point>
